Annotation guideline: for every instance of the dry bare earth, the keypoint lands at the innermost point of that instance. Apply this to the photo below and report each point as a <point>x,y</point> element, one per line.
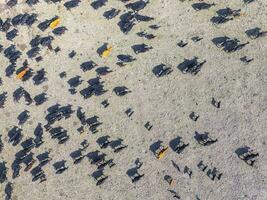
<point>166,102</point>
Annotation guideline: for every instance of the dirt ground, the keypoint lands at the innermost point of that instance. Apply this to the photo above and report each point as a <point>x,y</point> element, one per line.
<point>165,102</point>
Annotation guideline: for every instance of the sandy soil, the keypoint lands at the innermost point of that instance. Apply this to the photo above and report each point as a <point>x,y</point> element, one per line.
<point>165,102</point>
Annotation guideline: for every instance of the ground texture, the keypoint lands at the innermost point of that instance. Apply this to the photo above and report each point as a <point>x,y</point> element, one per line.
<point>166,102</point>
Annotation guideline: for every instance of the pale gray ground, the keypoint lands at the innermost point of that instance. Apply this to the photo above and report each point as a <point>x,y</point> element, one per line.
<point>166,102</point>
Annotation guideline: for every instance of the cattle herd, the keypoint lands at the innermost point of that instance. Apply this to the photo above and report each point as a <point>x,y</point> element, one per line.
<point>51,127</point>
